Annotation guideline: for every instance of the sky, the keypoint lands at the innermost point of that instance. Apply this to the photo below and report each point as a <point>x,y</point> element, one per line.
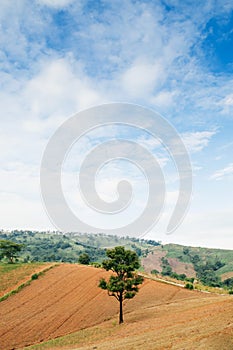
<point>60,57</point>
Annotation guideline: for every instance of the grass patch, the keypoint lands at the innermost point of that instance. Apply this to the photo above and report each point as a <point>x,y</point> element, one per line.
<point>13,274</point>
<point>215,290</point>
<point>80,338</point>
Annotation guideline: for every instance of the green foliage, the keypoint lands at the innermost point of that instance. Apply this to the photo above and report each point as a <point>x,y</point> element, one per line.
<point>189,279</point>
<point>84,259</point>
<point>166,271</point>
<point>198,255</point>
<point>152,242</point>
<point>154,272</point>
<point>228,282</point>
<point>206,272</point>
<point>10,250</point>
<point>35,276</point>
<point>206,267</point>
<point>180,277</point>
<point>166,268</point>
<point>96,264</point>
<point>185,250</point>
<point>55,246</point>
<point>230,291</point>
<point>189,285</point>
<point>124,283</point>
<point>195,259</point>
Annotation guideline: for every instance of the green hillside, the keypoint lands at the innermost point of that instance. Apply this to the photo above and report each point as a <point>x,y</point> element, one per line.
<point>211,267</point>
<point>55,246</point>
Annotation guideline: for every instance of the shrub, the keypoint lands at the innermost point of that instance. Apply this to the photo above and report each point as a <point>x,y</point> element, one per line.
<point>231,291</point>
<point>96,264</point>
<point>34,276</point>
<point>189,285</point>
<point>182,276</point>
<point>189,279</point>
<point>84,259</point>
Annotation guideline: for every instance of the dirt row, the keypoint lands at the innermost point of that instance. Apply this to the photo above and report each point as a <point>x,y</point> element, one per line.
<point>64,300</point>
<point>13,279</point>
<point>67,299</point>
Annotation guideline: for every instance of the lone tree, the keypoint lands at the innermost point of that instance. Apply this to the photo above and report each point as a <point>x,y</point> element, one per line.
<point>9,249</point>
<point>124,283</point>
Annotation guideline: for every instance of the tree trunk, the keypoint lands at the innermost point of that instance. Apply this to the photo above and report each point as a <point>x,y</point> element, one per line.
<point>121,309</point>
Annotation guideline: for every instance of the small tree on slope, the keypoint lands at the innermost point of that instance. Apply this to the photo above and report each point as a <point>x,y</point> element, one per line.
<point>9,249</point>
<point>124,283</point>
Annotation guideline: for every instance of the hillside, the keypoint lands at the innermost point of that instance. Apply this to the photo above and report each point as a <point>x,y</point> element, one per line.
<point>55,246</point>
<point>13,275</point>
<point>67,301</point>
<point>211,266</point>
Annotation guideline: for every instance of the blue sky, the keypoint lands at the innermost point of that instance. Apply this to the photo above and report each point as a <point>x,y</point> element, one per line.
<point>175,57</point>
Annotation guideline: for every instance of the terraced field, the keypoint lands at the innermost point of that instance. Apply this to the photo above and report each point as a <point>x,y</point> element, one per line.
<point>67,301</point>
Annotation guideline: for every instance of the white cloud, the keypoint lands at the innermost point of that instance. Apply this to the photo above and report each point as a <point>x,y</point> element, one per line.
<point>197,141</point>
<point>142,78</point>
<point>220,174</point>
<point>164,98</point>
<point>226,102</point>
<point>60,88</point>
<point>141,55</point>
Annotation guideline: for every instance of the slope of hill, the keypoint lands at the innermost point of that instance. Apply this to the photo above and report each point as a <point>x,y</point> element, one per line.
<point>13,275</point>
<point>208,265</point>
<point>66,300</point>
<point>55,246</point>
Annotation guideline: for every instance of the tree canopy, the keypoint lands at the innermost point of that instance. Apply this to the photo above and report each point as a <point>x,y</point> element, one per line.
<point>84,259</point>
<point>9,249</point>
<point>124,283</point>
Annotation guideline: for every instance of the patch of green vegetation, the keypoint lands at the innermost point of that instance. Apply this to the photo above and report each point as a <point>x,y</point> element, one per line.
<point>55,246</point>
<point>209,264</point>
<point>14,291</point>
<point>177,252</point>
<point>5,267</point>
<point>27,283</point>
<point>189,285</point>
<point>226,268</point>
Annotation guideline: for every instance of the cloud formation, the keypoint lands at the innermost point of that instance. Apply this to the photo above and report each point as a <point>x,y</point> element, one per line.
<point>60,57</point>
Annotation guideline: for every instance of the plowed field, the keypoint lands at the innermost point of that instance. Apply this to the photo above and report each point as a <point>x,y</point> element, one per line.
<point>67,299</point>
<point>12,275</point>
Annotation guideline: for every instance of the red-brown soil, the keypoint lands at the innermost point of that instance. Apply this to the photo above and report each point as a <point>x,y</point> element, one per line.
<point>64,300</point>
<point>181,267</point>
<point>153,261</point>
<point>226,275</point>
<point>13,279</point>
<point>67,299</point>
